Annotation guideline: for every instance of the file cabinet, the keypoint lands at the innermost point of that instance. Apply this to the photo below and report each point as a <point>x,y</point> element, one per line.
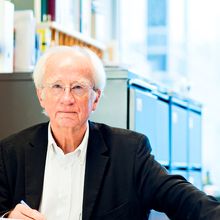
<point>179,134</point>
<point>134,104</point>
<point>194,128</point>
<point>19,104</point>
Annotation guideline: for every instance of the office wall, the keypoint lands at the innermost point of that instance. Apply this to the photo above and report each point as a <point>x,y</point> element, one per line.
<point>203,72</point>
<point>23,4</point>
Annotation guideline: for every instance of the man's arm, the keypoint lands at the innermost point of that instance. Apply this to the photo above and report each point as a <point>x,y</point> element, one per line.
<point>171,194</point>
<point>4,186</point>
<point>20,211</point>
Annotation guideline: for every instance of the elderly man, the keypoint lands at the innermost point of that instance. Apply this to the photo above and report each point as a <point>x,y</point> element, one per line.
<point>71,168</point>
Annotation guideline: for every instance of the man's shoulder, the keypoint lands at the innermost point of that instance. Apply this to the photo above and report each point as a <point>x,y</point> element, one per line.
<point>25,134</point>
<point>118,139</point>
<point>115,132</point>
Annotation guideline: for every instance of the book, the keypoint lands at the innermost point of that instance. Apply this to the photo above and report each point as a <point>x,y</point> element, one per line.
<point>51,10</point>
<point>44,10</point>
<point>44,36</point>
<point>37,10</point>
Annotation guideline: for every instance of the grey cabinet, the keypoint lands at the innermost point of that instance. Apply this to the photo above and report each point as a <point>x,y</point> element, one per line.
<point>150,111</point>
<point>144,114</point>
<point>114,103</point>
<point>131,103</point>
<point>162,145</point>
<point>194,140</point>
<point>19,105</point>
<point>113,106</point>
<point>179,125</point>
<point>194,127</point>
<point>172,124</point>
<point>186,143</point>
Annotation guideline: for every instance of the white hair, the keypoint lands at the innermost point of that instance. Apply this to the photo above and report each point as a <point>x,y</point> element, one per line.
<point>98,74</point>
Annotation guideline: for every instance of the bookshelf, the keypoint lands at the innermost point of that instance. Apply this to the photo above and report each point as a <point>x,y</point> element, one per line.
<point>63,36</point>
<point>64,22</point>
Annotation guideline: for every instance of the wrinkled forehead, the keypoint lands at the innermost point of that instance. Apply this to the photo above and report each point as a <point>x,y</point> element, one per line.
<point>74,62</point>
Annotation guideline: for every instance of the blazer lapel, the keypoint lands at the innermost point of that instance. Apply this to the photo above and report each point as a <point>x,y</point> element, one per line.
<point>35,158</point>
<point>95,167</point>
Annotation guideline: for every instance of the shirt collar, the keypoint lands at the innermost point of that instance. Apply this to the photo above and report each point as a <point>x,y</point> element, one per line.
<point>80,151</point>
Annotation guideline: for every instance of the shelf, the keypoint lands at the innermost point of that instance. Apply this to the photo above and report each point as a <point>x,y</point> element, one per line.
<point>63,36</point>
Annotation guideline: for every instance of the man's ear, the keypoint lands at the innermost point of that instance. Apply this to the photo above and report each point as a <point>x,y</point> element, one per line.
<point>97,96</point>
<point>40,95</point>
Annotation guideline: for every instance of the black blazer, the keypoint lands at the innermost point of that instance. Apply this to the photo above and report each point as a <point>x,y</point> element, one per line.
<point>122,179</point>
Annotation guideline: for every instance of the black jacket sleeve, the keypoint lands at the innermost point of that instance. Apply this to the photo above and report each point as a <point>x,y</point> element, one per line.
<point>171,194</point>
<point>4,185</point>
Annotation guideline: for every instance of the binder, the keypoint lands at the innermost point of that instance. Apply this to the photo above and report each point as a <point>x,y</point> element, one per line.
<point>52,9</point>
<point>44,10</point>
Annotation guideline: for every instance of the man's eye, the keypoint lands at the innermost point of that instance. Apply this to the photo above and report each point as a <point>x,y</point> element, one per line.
<point>57,86</point>
<point>77,87</point>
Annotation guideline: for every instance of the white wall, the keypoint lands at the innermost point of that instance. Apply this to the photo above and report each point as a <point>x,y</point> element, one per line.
<point>204,74</point>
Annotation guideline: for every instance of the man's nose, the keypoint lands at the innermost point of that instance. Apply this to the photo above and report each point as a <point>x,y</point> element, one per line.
<point>67,95</point>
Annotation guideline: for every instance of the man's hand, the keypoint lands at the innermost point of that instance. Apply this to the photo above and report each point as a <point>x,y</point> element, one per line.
<point>23,212</point>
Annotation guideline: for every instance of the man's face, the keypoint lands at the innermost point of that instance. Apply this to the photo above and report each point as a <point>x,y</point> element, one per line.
<point>67,94</point>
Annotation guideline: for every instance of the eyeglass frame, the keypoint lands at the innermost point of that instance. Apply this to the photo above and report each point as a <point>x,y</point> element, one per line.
<point>61,88</point>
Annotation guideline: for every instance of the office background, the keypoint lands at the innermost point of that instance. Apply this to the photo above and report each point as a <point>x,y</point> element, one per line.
<point>174,43</point>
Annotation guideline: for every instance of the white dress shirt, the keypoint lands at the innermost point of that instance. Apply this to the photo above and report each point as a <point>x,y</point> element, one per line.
<point>63,186</point>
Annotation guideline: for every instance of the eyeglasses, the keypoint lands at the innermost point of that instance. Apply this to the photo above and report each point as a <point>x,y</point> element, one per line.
<point>76,89</point>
